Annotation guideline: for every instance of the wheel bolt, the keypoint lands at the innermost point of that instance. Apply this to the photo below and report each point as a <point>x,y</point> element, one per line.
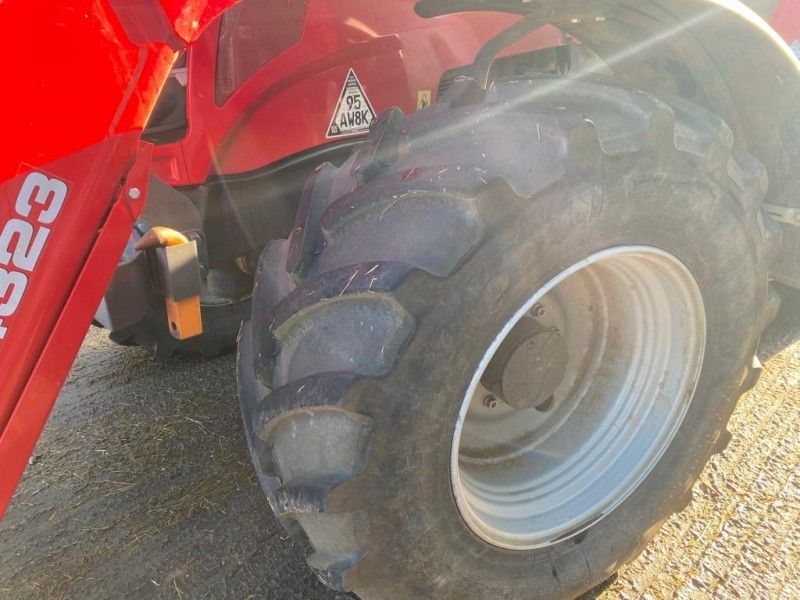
<point>546,405</point>
<point>538,311</point>
<point>490,401</point>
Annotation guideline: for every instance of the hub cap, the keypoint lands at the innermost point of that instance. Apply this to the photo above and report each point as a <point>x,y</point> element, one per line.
<point>622,335</point>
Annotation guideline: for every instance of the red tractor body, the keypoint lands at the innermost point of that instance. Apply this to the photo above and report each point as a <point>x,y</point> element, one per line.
<point>269,92</point>
<point>264,79</point>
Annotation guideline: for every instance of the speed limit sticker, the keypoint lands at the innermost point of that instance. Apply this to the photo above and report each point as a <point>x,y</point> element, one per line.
<point>353,112</point>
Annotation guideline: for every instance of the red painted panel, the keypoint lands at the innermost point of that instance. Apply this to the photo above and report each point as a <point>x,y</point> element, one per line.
<point>786,21</point>
<point>82,83</point>
<point>63,339</point>
<point>286,105</point>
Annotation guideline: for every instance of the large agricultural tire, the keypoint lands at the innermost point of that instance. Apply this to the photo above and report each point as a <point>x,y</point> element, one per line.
<point>413,260</point>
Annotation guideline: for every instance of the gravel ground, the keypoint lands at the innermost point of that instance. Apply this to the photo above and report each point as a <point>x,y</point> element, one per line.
<point>140,487</point>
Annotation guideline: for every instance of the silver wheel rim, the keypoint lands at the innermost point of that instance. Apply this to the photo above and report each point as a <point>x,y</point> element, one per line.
<point>633,321</point>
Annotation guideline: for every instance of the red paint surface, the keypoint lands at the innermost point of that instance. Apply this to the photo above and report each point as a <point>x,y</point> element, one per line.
<point>786,20</point>
<point>285,107</point>
<point>82,91</point>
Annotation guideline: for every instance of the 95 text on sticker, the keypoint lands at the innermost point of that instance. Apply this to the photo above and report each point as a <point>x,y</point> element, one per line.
<point>24,236</point>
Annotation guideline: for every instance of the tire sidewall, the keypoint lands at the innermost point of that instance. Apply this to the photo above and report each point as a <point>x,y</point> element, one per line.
<point>419,540</point>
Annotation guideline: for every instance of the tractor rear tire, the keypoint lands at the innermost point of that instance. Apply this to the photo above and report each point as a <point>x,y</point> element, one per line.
<point>415,256</point>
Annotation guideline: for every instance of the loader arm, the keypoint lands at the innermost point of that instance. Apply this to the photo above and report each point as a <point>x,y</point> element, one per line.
<point>85,75</point>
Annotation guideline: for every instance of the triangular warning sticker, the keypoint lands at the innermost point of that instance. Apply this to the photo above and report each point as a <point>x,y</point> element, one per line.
<point>353,112</point>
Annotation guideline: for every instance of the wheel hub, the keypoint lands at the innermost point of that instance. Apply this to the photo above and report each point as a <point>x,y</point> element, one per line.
<point>528,366</point>
<point>588,394</point>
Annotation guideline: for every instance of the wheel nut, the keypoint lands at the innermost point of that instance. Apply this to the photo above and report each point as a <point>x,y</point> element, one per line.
<point>490,401</point>
<point>546,405</point>
<point>538,311</point>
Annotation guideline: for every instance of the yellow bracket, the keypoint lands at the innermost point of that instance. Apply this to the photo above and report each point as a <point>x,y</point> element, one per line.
<point>183,314</point>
